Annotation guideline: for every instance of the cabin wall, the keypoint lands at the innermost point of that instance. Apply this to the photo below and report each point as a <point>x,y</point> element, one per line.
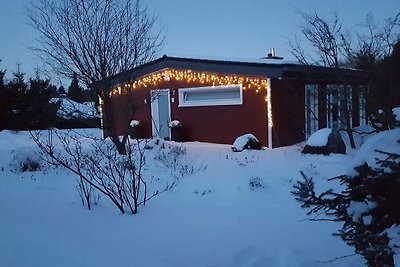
<point>223,124</point>
<point>216,124</point>
<point>287,99</point>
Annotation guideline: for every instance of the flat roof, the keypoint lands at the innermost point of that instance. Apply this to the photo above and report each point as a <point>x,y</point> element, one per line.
<point>274,70</point>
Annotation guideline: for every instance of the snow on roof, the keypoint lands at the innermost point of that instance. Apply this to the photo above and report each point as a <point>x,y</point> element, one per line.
<point>271,68</point>
<point>70,109</point>
<point>261,60</point>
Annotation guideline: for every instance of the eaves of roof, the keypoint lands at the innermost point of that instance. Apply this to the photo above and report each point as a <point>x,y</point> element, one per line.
<point>270,70</point>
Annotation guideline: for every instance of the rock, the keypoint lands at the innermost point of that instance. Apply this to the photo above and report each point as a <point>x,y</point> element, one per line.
<point>334,144</point>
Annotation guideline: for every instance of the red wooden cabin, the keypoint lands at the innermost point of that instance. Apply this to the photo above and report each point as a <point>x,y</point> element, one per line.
<point>217,101</point>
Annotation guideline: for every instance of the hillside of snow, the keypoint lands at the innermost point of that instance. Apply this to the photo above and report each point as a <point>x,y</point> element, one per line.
<point>235,211</point>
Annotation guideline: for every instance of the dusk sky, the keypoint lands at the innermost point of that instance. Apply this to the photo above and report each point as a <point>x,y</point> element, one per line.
<point>207,29</point>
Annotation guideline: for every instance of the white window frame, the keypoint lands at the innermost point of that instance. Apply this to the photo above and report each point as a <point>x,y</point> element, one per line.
<point>183,92</point>
<point>311,109</point>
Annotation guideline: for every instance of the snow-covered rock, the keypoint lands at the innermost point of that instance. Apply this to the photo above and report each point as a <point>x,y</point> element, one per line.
<point>319,138</point>
<point>325,141</point>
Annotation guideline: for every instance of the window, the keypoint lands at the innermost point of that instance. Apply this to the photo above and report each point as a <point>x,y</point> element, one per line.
<point>211,96</point>
<point>311,108</point>
<point>362,105</point>
<point>339,105</point>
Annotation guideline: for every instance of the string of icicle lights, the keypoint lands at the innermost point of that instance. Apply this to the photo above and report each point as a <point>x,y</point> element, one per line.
<point>188,76</point>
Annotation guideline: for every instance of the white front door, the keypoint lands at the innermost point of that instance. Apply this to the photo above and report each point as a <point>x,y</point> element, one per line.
<point>160,113</point>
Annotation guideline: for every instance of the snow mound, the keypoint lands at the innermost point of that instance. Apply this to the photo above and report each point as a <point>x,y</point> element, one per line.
<point>396,112</point>
<point>319,138</point>
<point>387,141</point>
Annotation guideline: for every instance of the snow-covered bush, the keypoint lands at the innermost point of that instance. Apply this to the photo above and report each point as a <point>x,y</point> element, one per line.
<point>167,153</point>
<point>134,123</point>
<point>385,119</point>
<point>155,143</point>
<point>202,192</point>
<point>27,161</point>
<point>247,141</point>
<point>172,156</point>
<point>256,183</point>
<point>175,124</point>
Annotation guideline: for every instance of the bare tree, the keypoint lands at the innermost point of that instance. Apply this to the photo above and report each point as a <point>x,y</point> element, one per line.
<point>332,48</point>
<point>328,41</point>
<point>94,38</point>
<point>373,42</point>
<point>325,38</point>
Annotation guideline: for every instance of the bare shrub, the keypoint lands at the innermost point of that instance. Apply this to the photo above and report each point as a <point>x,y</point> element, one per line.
<point>174,157</point>
<point>256,183</point>
<point>26,161</point>
<point>100,168</point>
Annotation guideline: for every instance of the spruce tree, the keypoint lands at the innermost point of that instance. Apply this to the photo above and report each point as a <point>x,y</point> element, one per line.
<point>41,111</point>
<point>61,91</point>
<point>16,101</point>
<point>3,102</point>
<point>26,106</point>
<point>368,207</point>
<point>74,90</point>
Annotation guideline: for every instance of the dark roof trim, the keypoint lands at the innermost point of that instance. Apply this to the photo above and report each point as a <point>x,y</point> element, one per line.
<point>270,70</point>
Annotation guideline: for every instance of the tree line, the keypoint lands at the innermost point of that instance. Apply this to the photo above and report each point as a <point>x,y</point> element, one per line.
<point>33,104</point>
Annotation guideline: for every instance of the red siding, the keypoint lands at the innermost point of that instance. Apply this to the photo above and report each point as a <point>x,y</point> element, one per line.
<point>223,124</point>
<point>217,124</point>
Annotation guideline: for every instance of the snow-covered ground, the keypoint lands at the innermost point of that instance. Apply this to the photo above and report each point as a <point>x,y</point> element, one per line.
<point>237,212</point>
